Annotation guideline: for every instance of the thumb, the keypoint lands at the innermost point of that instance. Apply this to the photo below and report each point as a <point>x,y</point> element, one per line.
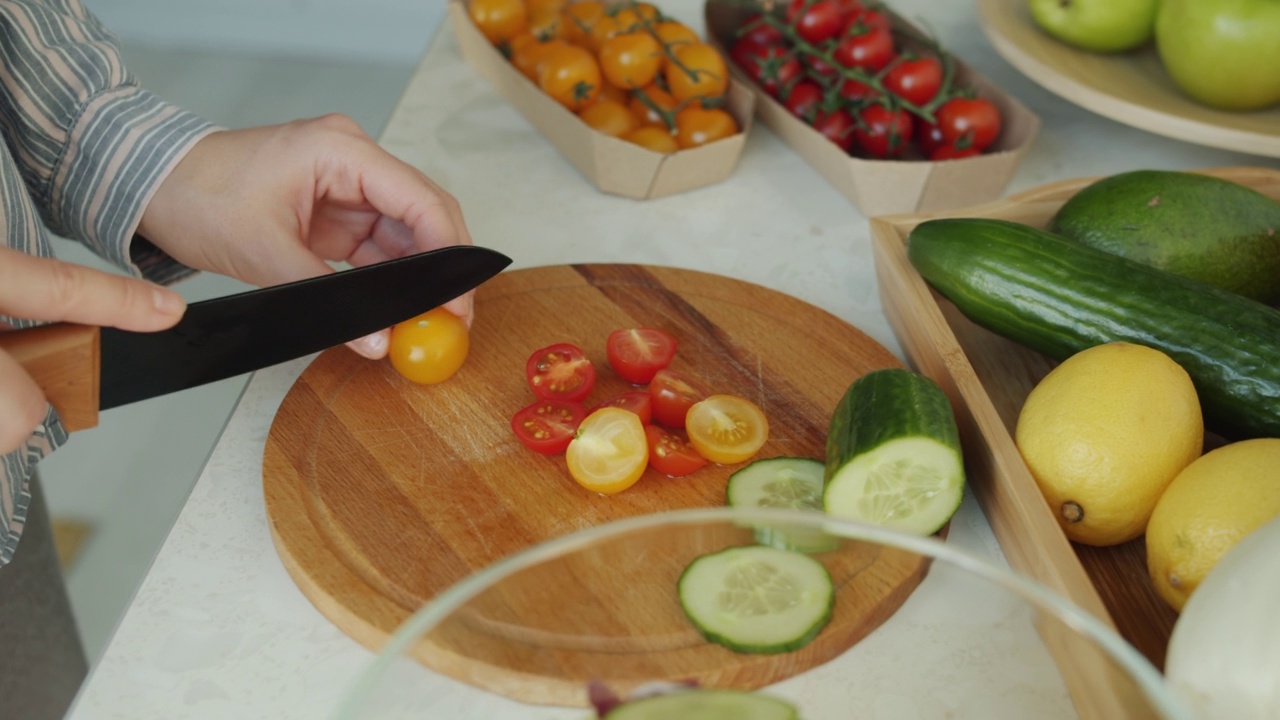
<point>22,405</point>
<point>50,290</point>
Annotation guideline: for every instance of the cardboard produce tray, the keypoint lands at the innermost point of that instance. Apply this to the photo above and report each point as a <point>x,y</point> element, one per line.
<point>614,166</point>
<point>881,187</point>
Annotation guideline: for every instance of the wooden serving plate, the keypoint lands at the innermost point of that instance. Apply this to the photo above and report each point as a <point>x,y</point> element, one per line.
<point>1132,87</point>
<point>988,379</point>
<point>382,493</point>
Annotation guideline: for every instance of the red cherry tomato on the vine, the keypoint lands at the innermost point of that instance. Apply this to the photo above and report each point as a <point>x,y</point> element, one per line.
<point>815,20</point>
<point>969,122</point>
<point>637,401</point>
<point>673,394</point>
<point>560,372</point>
<point>636,354</point>
<point>772,67</point>
<point>928,136</point>
<point>803,98</point>
<point>670,453</point>
<point>547,426</point>
<point>838,126</point>
<point>916,80</point>
<point>757,30</point>
<point>870,50</point>
<point>881,132</point>
<point>857,92</point>
<point>866,19</point>
<point>817,67</point>
<point>951,152</point>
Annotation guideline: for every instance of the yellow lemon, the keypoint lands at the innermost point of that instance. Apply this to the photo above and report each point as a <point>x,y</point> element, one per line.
<point>1213,503</point>
<point>1104,433</point>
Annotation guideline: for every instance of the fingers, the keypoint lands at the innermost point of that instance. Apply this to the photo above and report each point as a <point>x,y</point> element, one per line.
<point>50,290</point>
<point>22,404</point>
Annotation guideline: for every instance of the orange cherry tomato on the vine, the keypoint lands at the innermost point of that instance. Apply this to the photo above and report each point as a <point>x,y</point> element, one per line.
<point>499,20</point>
<point>543,5</point>
<point>570,75</point>
<point>609,117</point>
<point>652,105</point>
<point>429,348</point>
<point>696,125</point>
<point>580,18</point>
<point>547,23</point>
<point>673,34</point>
<point>631,60</point>
<point>696,71</point>
<point>670,454</point>
<point>528,57</point>
<point>654,137</point>
<point>560,372</point>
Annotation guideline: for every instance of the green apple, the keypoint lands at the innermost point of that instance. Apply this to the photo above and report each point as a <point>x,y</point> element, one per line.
<point>1223,53</point>
<point>1104,26</point>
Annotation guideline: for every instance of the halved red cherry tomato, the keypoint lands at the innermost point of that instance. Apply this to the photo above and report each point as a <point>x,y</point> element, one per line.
<point>547,426</point>
<point>670,454</point>
<point>637,353</point>
<point>727,428</point>
<point>673,394</point>
<point>637,401</point>
<point>560,372</point>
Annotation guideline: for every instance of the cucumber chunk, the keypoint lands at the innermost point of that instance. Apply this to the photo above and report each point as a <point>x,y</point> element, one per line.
<point>709,704</point>
<point>893,454</point>
<point>783,482</point>
<point>757,599</point>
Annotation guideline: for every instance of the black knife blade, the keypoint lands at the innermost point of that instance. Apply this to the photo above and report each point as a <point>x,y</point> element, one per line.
<point>232,335</point>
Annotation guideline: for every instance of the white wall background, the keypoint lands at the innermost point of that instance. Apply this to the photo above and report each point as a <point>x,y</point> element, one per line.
<point>382,31</point>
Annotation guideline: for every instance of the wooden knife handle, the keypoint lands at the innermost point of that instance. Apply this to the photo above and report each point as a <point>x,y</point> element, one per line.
<point>63,359</point>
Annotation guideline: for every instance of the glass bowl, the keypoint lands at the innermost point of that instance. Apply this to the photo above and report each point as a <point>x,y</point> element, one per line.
<point>917,629</point>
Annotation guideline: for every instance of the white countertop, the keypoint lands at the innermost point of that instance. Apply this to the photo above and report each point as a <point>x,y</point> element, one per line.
<point>218,629</point>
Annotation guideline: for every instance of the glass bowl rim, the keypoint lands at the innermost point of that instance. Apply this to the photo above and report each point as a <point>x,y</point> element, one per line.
<point>1149,679</point>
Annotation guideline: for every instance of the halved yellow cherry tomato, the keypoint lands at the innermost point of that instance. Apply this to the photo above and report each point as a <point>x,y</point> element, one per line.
<point>726,428</point>
<point>610,451</point>
<point>429,348</point>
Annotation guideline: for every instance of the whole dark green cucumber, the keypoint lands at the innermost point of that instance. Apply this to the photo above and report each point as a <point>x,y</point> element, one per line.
<point>1058,297</point>
<point>1204,227</point>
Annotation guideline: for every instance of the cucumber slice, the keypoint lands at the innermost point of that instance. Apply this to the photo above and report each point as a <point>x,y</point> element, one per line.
<point>709,704</point>
<point>783,482</point>
<point>893,454</point>
<point>756,599</point>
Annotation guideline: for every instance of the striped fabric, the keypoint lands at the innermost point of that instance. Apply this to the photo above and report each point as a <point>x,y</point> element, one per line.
<point>84,149</point>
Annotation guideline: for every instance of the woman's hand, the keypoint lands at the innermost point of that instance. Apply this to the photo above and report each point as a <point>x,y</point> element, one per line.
<point>270,205</point>
<point>51,290</point>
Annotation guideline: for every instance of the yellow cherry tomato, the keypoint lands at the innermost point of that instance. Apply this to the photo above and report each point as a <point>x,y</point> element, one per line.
<point>610,451</point>
<point>609,117</point>
<point>654,137</point>
<point>696,71</point>
<point>726,428</point>
<point>429,348</point>
<point>499,20</point>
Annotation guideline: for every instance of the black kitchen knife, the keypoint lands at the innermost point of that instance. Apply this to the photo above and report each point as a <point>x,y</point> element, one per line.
<point>83,369</point>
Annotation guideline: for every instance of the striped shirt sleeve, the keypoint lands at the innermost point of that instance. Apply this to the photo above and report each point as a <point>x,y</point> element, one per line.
<point>84,150</point>
<point>91,144</point>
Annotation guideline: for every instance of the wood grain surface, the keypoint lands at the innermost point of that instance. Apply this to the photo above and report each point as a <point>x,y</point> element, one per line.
<point>988,379</point>
<point>381,493</point>
<point>1132,87</point>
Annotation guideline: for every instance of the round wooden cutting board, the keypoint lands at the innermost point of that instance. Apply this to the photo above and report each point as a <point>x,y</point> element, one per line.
<point>381,493</point>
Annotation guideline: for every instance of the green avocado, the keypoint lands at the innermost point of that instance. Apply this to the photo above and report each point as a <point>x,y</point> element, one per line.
<point>1199,226</point>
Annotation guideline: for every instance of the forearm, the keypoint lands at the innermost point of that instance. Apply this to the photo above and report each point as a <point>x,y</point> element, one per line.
<point>91,145</point>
